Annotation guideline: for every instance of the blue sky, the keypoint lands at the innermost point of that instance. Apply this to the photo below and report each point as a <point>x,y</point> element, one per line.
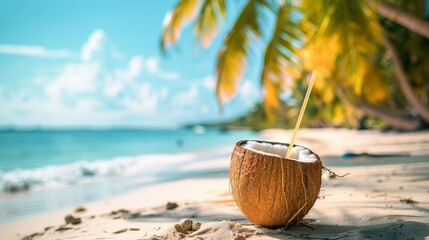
<point>98,64</point>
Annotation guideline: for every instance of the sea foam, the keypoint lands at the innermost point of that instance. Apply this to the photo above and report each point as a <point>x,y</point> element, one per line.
<point>85,171</point>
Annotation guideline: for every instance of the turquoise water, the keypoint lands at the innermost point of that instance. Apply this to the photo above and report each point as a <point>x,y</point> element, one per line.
<point>33,149</point>
<point>47,170</point>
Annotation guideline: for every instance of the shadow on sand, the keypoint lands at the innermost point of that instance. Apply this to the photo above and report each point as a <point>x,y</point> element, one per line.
<point>306,229</point>
<point>394,230</point>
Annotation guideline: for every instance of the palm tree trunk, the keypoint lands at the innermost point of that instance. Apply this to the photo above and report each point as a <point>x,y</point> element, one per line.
<point>405,19</point>
<point>397,122</point>
<point>404,82</point>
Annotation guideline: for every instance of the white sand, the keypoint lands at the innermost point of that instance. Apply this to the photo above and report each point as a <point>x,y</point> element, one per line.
<point>336,141</point>
<point>376,200</point>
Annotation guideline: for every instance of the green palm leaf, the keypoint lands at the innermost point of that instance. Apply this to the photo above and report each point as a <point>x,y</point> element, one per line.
<point>208,21</point>
<point>183,13</point>
<point>232,62</point>
<point>281,58</point>
<point>349,33</point>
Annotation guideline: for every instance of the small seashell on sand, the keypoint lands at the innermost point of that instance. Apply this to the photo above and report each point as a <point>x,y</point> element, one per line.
<point>196,226</point>
<point>186,224</point>
<point>179,228</point>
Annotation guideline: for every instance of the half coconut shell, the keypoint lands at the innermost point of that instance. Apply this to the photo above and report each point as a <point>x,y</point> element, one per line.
<point>273,191</point>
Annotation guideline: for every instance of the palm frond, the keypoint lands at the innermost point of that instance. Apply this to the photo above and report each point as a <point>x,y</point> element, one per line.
<point>271,99</point>
<point>208,21</point>
<point>175,20</point>
<point>281,58</point>
<point>232,62</point>
<point>347,36</point>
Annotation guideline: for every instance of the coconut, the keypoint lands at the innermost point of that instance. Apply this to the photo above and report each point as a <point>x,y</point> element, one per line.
<point>271,190</point>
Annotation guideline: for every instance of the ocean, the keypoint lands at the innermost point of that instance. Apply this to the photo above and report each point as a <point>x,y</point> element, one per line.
<point>46,170</point>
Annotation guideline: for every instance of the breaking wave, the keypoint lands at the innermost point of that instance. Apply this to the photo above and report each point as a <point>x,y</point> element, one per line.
<point>84,171</point>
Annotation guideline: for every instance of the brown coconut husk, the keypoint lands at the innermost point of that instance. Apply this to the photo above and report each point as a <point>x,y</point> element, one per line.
<point>273,191</point>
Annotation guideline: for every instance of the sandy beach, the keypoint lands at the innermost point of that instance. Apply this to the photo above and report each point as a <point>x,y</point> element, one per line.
<point>380,198</point>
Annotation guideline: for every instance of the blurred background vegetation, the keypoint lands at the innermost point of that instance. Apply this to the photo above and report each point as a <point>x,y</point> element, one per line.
<point>372,57</point>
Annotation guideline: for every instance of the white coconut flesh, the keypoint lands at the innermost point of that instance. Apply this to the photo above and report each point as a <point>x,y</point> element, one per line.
<point>299,154</point>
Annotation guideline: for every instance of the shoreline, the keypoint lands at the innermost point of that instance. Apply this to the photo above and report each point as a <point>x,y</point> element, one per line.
<point>195,164</point>
<point>346,205</point>
<point>392,196</point>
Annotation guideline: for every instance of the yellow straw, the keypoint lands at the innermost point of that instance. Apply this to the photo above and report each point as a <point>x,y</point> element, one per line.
<point>301,113</point>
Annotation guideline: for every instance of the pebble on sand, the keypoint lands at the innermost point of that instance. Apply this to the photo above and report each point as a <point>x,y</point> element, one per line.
<point>186,224</point>
<point>121,231</point>
<point>196,226</point>
<point>171,205</point>
<point>179,228</point>
<point>72,220</point>
<point>79,210</point>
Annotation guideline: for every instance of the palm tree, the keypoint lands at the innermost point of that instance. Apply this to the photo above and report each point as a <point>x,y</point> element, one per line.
<point>347,41</point>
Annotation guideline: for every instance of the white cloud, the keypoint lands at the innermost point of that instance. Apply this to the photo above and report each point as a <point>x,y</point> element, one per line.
<point>209,82</point>
<point>168,75</point>
<point>25,108</point>
<point>248,90</point>
<point>35,51</point>
<point>147,100</point>
<point>135,67</point>
<point>88,105</point>
<point>74,79</point>
<point>93,45</point>
<point>188,97</point>
<point>99,83</point>
<point>113,88</point>
<point>87,78</point>
<point>87,86</point>
<point>152,66</point>
<point>97,88</point>
<point>116,83</point>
